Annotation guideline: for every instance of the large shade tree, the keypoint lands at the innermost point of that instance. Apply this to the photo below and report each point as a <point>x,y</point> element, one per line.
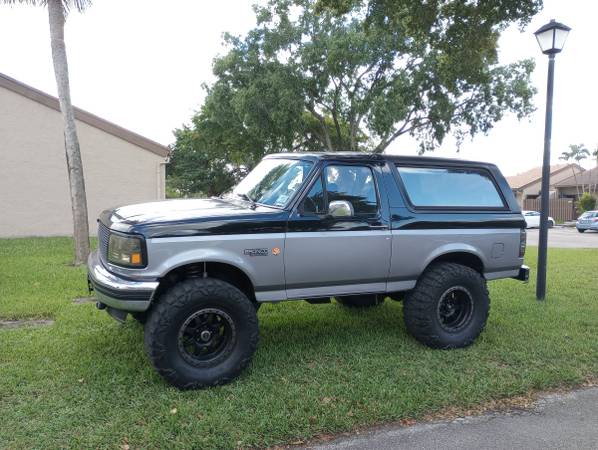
<point>319,76</point>
<point>57,13</point>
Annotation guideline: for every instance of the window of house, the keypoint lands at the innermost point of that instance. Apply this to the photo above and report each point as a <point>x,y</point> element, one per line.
<point>450,187</point>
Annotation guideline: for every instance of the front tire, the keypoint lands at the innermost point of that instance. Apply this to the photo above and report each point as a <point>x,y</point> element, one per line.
<point>140,317</point>
<point>580,230</point>
<point>202,332</point>
<point>448,307</point>
<point>360,301</point>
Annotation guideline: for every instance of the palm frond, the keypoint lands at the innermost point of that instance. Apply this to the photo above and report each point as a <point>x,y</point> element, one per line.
<point>79,5</point>
<point>24,2</point>
<point>67,5</point>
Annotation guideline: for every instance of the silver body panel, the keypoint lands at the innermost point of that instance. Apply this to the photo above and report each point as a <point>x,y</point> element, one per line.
<point>318,264</point>
<point>414,250</point>
<point>336,262</point>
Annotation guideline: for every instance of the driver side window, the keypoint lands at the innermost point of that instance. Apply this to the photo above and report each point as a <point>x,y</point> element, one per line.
<point>351,184</point>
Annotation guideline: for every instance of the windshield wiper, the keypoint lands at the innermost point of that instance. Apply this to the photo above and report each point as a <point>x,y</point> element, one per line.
<point>246,198</point>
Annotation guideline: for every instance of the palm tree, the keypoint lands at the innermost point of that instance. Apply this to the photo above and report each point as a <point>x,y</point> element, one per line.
<point>57,12</point>
<point>595,155</point>
<point>577,153</point>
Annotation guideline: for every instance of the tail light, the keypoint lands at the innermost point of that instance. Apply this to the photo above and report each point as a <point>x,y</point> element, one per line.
<point>522,242</point>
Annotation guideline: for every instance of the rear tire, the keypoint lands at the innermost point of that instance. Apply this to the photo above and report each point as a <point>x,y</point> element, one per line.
<point>202,332</point>
<point>448,307</point>
<point>360,301</point>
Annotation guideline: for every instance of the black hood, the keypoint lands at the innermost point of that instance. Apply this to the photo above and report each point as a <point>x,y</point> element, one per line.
<point>191,217</point>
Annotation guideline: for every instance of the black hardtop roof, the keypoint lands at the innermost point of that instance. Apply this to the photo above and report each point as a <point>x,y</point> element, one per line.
<point>401,159</point>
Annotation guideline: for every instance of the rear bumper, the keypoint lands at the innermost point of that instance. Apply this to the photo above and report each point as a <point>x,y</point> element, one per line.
<point>117,292</point>
<point>523,274</point>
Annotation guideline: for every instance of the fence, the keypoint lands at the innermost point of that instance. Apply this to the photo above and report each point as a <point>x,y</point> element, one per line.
<point>560,209</point>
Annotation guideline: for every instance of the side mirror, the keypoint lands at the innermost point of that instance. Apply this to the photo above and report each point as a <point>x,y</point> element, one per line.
<point>340,208</point>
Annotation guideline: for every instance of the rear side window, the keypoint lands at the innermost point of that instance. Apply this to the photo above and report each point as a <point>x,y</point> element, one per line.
<point>450,187</point>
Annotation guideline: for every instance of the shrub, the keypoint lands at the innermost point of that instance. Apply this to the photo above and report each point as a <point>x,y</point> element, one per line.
<point>587,202</point>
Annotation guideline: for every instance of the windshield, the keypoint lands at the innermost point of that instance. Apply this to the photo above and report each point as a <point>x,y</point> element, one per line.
<point>588,214</point>
<point>273,182</point>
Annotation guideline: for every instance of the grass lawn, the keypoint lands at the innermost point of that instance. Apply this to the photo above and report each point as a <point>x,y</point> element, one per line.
<point>84,382</point>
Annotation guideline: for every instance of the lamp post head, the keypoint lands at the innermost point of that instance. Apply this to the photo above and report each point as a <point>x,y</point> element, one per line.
<point>551,37</point>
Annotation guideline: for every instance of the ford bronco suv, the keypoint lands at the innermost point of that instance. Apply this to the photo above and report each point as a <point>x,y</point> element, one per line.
<point>358,228</point>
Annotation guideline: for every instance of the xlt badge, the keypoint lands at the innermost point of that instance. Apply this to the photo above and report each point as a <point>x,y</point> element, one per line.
<point>256,251</point>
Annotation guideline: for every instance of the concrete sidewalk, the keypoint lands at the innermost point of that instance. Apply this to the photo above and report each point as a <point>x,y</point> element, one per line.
<point>557,421</point>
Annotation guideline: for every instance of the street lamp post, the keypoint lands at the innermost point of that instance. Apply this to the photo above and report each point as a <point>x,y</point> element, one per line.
<point>551,38</point>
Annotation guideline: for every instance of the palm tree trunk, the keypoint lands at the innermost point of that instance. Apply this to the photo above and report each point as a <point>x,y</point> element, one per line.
<point>71,141</point>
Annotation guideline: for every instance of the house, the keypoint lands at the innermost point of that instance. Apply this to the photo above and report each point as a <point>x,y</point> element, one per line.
<point>120,166</point>
<point>528,184</point>
<point>573,186</point>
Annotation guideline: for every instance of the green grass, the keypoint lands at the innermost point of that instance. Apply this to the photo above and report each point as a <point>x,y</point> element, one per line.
<point>85,382</point>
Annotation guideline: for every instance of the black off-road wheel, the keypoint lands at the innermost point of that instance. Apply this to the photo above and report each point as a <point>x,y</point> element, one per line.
<point>360,301</point>
<point>202,332</point>
<point>448,307</point>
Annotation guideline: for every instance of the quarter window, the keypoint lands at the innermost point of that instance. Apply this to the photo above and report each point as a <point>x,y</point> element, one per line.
<point>450,187</point>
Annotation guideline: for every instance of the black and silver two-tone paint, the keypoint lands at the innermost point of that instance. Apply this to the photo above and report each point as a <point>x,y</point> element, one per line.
<point>391,226</point>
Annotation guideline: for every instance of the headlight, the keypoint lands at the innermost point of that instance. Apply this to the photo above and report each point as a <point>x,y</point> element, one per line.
<point>126,251</point>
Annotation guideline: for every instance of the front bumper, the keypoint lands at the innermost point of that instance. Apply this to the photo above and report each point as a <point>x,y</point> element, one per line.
<point>117,292</point>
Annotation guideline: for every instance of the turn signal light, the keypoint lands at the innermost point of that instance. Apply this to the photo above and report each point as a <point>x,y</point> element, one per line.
<point>136,258</point>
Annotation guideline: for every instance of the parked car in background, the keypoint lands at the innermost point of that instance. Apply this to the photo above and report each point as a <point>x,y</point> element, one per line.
<point>587,221</point>
<point>532,219</point>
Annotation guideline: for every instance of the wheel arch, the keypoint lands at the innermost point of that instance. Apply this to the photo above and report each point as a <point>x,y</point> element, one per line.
<point>465,256</point>
<point>221,270</point>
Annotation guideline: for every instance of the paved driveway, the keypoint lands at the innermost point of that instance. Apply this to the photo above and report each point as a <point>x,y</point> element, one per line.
<point>565,237</point>
<point>568,421</point>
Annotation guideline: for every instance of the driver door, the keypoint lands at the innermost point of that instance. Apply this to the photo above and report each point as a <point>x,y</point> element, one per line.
<point>344,249</point>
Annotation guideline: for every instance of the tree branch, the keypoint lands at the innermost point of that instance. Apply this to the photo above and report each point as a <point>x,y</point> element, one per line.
<point>322,121</point>
<point>335,112</point>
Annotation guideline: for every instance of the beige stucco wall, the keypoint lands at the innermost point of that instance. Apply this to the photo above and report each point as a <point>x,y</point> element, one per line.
<point>34,194</point>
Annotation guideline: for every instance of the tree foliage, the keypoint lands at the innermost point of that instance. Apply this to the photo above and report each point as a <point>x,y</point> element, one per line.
<point>342,75</point>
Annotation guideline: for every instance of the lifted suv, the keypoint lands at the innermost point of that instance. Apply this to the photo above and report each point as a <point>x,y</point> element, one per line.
<point>354,227</point>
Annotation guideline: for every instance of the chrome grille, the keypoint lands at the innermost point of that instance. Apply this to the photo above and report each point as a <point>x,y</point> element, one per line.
<point>103,238</point>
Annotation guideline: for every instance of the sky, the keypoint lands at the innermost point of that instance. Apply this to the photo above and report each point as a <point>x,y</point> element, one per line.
<point>141,64</point>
